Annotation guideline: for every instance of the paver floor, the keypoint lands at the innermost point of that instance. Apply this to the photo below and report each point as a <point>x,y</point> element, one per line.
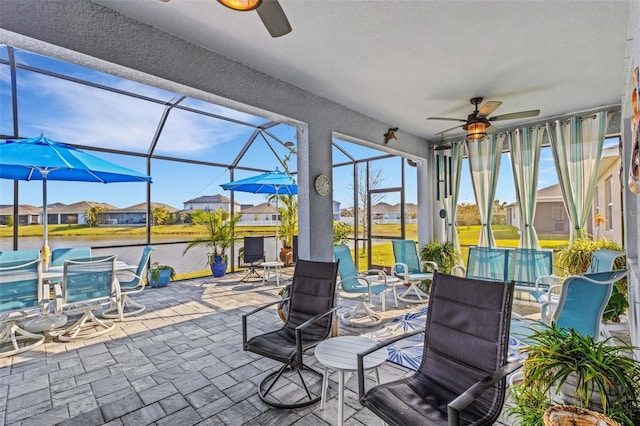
<point>180,362</point>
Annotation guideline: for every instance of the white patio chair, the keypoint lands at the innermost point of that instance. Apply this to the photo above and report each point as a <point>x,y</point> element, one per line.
<point>86,285</point>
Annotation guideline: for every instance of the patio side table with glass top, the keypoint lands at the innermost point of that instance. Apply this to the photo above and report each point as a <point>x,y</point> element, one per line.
<point>340,354</point>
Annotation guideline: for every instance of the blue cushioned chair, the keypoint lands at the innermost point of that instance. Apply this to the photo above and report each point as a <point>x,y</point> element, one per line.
<point>409,268</point>
<point>602,260</point>
<point>583,299</point>
<point>122,306</point>
<point>362,287</point>
<point>19,255</point>
<point>20,298</point>
<point>59,255</point>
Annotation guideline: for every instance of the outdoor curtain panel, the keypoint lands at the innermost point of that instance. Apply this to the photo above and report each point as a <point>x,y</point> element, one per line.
<point>484,163</point>
<point>450,189</point>
<point>576,145</point>
<point>525,161</point>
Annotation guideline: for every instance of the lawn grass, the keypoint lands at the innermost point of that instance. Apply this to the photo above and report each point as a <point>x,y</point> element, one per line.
<point>382,254</point>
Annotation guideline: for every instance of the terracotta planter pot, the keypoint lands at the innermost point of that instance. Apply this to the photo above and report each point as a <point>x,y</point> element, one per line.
<point>569,415</point>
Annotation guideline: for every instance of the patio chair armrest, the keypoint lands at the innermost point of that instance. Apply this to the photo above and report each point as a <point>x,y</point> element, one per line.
<point>248,314</point>
<point>471,394</point>
<point>306,324</point>
<point>554,278</point>
<point>374,348</point>
<point>455,269</point>
<point>404,269</point>
<point>431,264</point>
<point>310,321</point>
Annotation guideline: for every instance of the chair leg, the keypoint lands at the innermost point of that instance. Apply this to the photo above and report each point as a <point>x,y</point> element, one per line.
<point>126,307</point>
<point>253,273</point>
<point>14,334</point>
<point>420,296</point>
<point>361,316</point>
<point>86,322</point>
<point>276,375</point>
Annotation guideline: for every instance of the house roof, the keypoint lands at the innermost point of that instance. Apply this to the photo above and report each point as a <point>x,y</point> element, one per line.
<point>6,209</point>
<point>142,207</point>
<point>79,207</point>
<point>208,199</point>
<point>260,208</point>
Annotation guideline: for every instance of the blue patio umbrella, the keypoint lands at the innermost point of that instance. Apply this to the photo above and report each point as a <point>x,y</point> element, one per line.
<point>275,182</point>
<point>43,159</point>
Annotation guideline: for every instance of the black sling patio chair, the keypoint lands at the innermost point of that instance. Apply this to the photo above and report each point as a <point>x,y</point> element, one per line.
<point>252,256</point>
<point>461,379</point>
<point>310,315</point>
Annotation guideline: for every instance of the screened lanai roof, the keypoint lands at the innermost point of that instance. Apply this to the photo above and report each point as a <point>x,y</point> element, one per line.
<point>95,110</point>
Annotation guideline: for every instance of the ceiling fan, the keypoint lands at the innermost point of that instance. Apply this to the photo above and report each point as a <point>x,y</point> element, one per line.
<point>269,11</point>
<point>478,123</point>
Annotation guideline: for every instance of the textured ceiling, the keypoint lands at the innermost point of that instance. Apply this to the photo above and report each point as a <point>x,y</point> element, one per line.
<point>401,61</point>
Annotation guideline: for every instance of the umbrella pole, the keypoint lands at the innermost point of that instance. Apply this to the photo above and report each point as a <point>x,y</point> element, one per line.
<point>277,224</point>
<point>45,253</point>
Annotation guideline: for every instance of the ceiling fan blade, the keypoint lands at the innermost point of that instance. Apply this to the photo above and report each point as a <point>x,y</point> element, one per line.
<point>489,107</point>
<point>491,129</point>
<point>273,18</point>
<point>448,130</point>
<point>447,119</point>
<point>514,115</point>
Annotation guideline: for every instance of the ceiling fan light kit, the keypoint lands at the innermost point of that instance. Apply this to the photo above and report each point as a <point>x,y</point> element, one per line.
<point>241,5</point>
<point>477,130</point>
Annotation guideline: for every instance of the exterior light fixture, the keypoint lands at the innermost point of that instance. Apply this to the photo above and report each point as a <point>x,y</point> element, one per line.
<point>241,5</point>
<point>476,130</point>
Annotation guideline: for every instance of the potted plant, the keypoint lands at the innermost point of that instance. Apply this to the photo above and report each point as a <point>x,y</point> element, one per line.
<point>288,225</point>
<point>444,254</point>
<point>219,236</point>
<point>160,275</point>
<point>596,375</point>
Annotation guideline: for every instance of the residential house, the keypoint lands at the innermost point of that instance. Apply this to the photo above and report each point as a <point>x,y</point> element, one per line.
<point>72,214</point>
<point>262,214</point>
<point>27,214</point>
<point>551,216</point>
<point>132,215</point>
<point>210,202</point>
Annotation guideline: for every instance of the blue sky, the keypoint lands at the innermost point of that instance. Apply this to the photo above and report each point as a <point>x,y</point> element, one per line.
<point>78,114</point>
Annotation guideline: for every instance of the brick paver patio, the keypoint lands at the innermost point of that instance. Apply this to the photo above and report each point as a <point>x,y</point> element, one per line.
<point>178,363</point>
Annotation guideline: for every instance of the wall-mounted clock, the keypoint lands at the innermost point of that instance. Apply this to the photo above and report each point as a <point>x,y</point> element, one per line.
<point>323,185</point>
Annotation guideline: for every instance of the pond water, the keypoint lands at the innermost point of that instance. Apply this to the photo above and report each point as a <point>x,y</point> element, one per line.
<point>168,249</point>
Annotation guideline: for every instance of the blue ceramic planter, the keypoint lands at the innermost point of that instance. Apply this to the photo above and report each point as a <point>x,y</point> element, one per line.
<point>163,279</point>
<point>219,268</point>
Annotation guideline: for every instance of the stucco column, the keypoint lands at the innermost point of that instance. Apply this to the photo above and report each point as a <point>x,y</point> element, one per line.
<point>315,212</point>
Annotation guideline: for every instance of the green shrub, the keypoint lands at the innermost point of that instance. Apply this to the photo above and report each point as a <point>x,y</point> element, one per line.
<point>444,255</point>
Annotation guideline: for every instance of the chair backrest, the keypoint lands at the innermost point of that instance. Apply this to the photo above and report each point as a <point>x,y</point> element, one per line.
<point>87,280</point>
<point>405,251</point>
<point>526,265</point>
<point>583,300</point>
<point>20,285</point>
<point>489,263</point>
<point>59,255</point>
<point>346,267</point>
<point>19,255</point>
<point>603,260</point>
<point>253,249</point>
<point>144,260</point>
<point>313,291</point>
<point>466,313</point>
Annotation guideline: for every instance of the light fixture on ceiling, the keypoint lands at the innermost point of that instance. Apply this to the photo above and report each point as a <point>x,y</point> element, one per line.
<point>241,5</point>
<point>476,130</point>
